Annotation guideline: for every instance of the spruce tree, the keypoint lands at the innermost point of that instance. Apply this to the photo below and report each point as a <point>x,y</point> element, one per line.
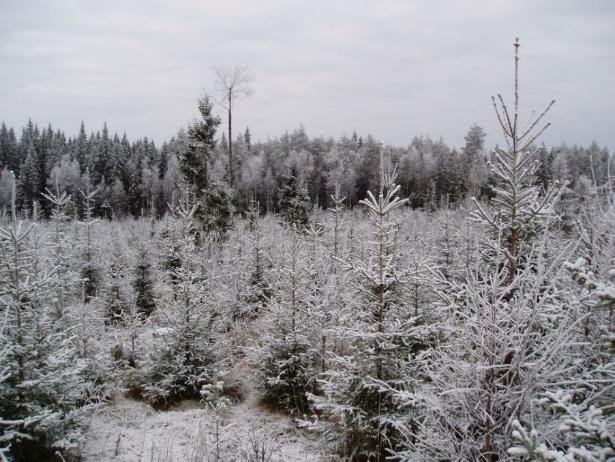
<point>59,247</point>
<point>294,203</point>
<point>142,284</point>
<point>256,291</point>
<point>188,352</point>
<point>89,272</point>
<point>43,385</point>
<point>360,391</point>
<point>115,300</point>
<point>581,408</point>
<point>214,199</point>
<point>506,322</point>
<point>201,143</point>
<point>286,359</point>
<point>29,180</point>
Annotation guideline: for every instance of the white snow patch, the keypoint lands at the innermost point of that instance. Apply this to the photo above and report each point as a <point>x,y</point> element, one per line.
<point>130,431</point>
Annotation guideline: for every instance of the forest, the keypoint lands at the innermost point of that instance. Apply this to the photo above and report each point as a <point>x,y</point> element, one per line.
<point>306,299</point>
<point>137,178</point>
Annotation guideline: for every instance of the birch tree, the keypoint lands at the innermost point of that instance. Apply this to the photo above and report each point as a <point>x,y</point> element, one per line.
<point>232,84</point>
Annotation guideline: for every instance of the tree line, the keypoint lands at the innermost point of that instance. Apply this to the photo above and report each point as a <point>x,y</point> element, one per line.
<point>136,178</point>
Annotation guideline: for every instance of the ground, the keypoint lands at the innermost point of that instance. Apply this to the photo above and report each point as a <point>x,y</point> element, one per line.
<point>132,431</point>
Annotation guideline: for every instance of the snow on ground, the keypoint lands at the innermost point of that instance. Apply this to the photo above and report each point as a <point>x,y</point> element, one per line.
<point>130,431</point>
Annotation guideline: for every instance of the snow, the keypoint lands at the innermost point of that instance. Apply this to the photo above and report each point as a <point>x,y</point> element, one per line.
<point>131,431</point>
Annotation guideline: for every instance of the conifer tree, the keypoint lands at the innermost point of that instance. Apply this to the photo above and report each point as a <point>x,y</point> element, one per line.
<point>360,390</point>
<point>201,143</point>
<point>522,211</point>
<point>89,269</point>
<point>505,321</point>
<point>59,249</point>
<point>142,284</point>
<point>29,180</point>
<point>286,359</point>
<point>257,290</point>
<point>215,212</point>
<point>337,213</point>
<point>42,384</point>
<point>188,353</point>
<point>215,200</point>
<point>116,303</point>
<point>294,202</point>
<point>581,408</point>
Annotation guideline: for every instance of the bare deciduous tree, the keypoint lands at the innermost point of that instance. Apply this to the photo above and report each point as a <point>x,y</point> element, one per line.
<point>232,83</point>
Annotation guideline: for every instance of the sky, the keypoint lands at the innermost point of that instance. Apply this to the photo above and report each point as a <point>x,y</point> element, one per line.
<point>393,69</point>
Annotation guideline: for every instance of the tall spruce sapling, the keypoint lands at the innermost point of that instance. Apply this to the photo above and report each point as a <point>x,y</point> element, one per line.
<point>360,388</point>
<point>286,358</point>
<point>448,243</point>
<point>521,209</point>
<point>115,299</point>
<point>142,283</point>
<point>170,258</point>
<point>43,385</point>
<point>256,292</point>
<point>337,212</point>
<point>507,327</point>
<point>582,407</point>
<point>188,352</point>
<point>60,246</point>
<point>90,272</point>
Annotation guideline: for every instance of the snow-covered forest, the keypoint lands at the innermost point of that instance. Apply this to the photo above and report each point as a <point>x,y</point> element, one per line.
<point>307,299</point>
<point>137,178</point>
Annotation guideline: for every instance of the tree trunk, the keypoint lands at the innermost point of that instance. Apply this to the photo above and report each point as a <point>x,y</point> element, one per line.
<point>230,140</point>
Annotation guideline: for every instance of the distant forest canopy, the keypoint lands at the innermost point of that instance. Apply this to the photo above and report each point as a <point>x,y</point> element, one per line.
<point>137,178</point>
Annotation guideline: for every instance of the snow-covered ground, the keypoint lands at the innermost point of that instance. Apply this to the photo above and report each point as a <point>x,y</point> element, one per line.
<point>131,431</point>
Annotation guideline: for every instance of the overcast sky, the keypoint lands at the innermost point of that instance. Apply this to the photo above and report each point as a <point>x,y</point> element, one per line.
<point>394,69</point>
